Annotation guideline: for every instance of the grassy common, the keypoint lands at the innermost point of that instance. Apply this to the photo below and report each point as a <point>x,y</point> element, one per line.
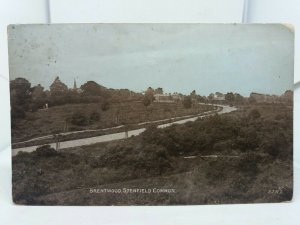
<point>241,157</point>
<point>58,119</point>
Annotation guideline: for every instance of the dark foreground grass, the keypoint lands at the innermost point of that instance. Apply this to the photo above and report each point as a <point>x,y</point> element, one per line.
<point>254,164</point>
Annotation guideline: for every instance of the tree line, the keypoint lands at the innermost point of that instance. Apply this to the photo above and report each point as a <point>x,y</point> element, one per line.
<point>25,97</point>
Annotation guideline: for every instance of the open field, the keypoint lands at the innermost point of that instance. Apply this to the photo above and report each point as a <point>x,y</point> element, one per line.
<point>241,157</point>
<point>56,119</point>
<point>109,134</point>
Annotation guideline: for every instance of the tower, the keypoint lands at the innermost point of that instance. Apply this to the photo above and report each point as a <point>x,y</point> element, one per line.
<point>74,86</point>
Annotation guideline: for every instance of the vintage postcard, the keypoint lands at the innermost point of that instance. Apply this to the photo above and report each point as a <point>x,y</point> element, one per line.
<point>151,114</point>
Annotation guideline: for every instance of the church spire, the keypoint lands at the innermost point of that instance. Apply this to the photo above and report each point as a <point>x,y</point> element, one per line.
<point>74,86</point>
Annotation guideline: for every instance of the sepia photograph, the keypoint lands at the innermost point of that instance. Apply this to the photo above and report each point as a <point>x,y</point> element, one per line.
<point>151,114</point>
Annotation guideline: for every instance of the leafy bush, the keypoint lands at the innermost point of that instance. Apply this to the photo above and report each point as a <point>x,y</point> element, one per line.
<point>17,112</point>
<point>146,101</point>
<point>147,160</point>
<point>276,146</point>
<point>254,114</point>
<point>46,151</point>
<point>105,106</point>
<point>79,119</point>
<point>187,102</point>
<point>34,108</point>
<point>95,116</point>
<point>150,160</point>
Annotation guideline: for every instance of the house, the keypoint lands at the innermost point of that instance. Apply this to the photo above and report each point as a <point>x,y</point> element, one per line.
<point>163,98</point>
<point>259,98</point>
<point>57,87</point>
<point>177,97</point>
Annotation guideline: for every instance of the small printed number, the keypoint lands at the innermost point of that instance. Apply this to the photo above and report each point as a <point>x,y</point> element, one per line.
<point>275,191</point>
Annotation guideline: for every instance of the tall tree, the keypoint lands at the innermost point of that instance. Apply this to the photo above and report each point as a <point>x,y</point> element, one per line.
<point>146,101</point>
<point>239,99</point>
<point>94,89</point>
<point>187,102</point>
<point>193,93</point>
<point>229,97</point>
<point>39,97</point>
<point>149,94</point>
<point>210,97</point>
<point>20,93</point>
<point>159,90</point>
<point>202,99</point>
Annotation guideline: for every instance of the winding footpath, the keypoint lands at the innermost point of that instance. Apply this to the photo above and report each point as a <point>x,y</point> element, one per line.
<point>121,135</point>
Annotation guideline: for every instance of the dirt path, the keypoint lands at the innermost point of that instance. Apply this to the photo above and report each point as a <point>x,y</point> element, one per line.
<point>121,135</point>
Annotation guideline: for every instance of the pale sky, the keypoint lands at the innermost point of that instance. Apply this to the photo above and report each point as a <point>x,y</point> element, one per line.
<point>177,57</point>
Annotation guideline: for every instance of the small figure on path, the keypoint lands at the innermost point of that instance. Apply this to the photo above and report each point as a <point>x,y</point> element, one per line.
<point>126,131</point>
<point>57,142</point>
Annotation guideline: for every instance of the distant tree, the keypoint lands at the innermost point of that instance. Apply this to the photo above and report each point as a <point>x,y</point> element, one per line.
<point>39,97</point>
<point>187,102</point>
<point>239,99</point>
<point>146,101</point>
<point>20,93</point>
<point>148,97</point>
<point>287,96</point>
<point>193,93</point>
<point>38,92</point>
<point>202,99</point>
<point>159,90</point>
<point>229,97</point>
<point>251,100</point>
<point>150,89</point>
<point>94,89</point>
<point>210,97</point>
<point>150,94</point>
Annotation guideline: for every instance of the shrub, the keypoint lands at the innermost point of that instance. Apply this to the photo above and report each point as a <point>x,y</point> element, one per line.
<point>105,106</point>
<point>249,166</point>
<point>17,112</point>
<point>95,116</point>
<point>150,133</point>
<point>248,140</point>
<point>254,114</point>
<point>167,138</point>
<point>216,173</point>
<point>146,101</point>
<point>277,146</point>
<point>46,151</point>
<point>79,119</point>
<point>34,108</point>
<point>150,160</point>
